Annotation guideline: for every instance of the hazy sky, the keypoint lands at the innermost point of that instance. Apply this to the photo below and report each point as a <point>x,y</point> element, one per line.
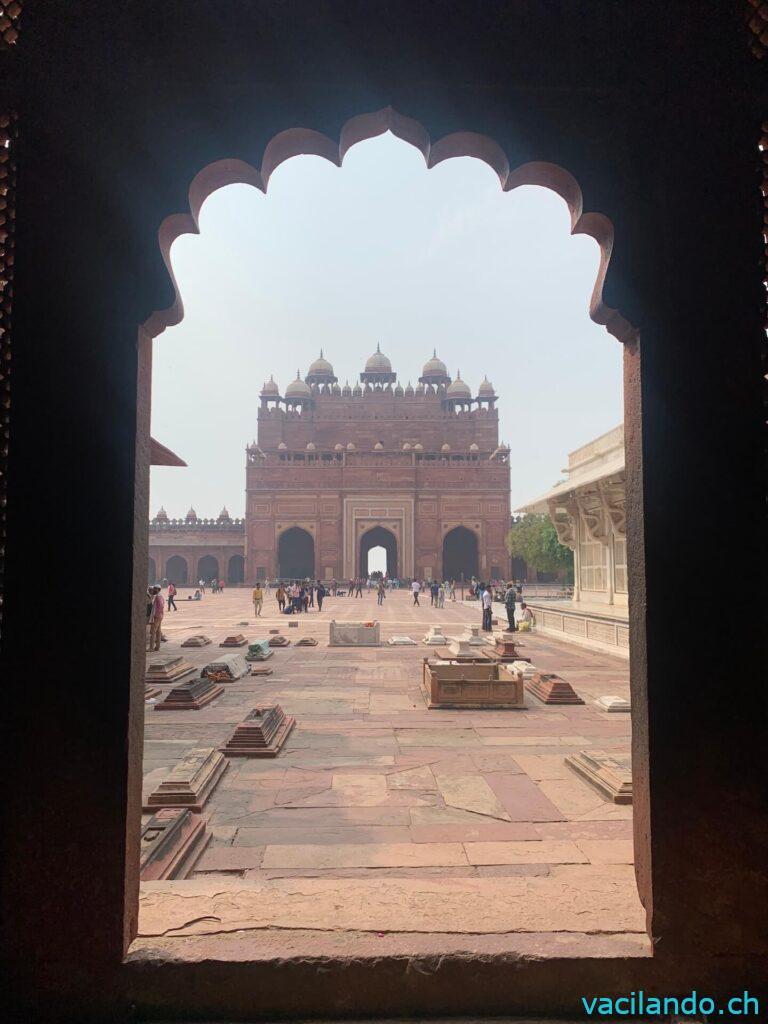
<point>380,251</point>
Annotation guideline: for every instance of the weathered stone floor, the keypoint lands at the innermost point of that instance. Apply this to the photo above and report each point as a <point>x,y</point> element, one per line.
<point>380,815</point>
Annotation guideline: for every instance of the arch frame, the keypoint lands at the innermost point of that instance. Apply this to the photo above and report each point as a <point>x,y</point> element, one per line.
<point>477,537</point>
<point>390,545</point>
<point>280,534</point>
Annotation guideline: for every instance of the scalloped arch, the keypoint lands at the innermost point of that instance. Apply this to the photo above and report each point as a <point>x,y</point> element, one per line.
<point>307,142</point>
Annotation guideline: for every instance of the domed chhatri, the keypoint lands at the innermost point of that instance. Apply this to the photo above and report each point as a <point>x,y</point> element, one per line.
<point>434,371</point>
<point>485,392</point>
<point>378,369</point>
<point>458,390</point>
<point>298,390</point>
<point>270,389</point>
<point>162,515</point>
<point>191,516</point>
<point>224,516</point>
<point>321,371</point>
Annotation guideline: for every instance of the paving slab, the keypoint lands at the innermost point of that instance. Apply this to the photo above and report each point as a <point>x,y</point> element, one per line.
<point>365,855</point>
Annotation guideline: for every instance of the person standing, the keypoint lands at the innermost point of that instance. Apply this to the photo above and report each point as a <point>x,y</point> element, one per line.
<point>258,599</point>
<point>359,587</point>
<point>280,595</point>
<point>311,592</point>
<point>487,602</point>
<point>172,597</point>
<point>156,619</point>
<point>381,592</point>
<point>320,595</point>
<point>415,588</point>
<point>351,588</point>
<point>509,603</point>
<point>453,590</point>
<point>201,586</point>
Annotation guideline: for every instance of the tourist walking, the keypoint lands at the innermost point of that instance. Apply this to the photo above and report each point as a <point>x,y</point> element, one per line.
<point>311,592</point>
<point>172,597</point>
<point>415,588</point>
<point>156,619</point>
<point>441,594</point>
<point>487,603</point>
<point>453,590</point>
<point>280,595</point>
<point>351,588</point>
<point>509,603</point>
<point>320,595</point>
<point>201,586</point>
<point>381,592</point>
<point>258,599</point>
<point>359,587</point>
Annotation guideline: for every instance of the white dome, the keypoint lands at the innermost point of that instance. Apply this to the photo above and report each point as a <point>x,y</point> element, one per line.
<point>351,447</point>
<point>445,448</point>
<point>418,447</point>
<point>406,447</point>
<point>311,447</point>
<point>270,388</point>
<point>338,447</point>
<point>486,389</point>
<point>320,367</point>
<point>297,388</point>
<point>282,446</point>
<point>458,389</point>
<point>378,363</point>
<point>378,447</point>
<point>473,447</point>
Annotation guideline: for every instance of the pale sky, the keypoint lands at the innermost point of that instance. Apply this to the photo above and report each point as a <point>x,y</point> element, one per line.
<point>381,251</point>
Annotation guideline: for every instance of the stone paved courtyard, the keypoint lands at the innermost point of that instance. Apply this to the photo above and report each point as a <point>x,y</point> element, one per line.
<point>381,816</point>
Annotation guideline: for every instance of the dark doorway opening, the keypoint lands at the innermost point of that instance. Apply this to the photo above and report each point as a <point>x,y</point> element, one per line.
<point>460,554</point>
<point>176,570</point>
<point>236,570</point>
<point>379,537</point>
<point>208,568</point>
<point>295,554</point>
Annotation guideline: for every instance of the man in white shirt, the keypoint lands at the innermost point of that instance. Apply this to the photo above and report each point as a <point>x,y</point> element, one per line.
<point>487,607</point>
<point>415,588</point>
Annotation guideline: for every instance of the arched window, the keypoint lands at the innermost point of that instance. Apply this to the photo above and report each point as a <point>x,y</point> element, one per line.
<point>176,570</point>
<point>208,568</point>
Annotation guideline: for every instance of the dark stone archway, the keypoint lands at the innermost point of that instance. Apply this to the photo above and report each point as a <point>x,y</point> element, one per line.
<point>177,571</point>
<point>207,569</point>
<point>236,570</point>
<point>296,554</point>
<point>378,537</point>
<point>460,554</point>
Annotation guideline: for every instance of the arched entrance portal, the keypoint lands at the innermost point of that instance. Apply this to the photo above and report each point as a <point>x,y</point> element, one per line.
<point>236,570</point>
<point>296,554</point>
<point>208,568</point>
<point>460,554</point>
<point>176,570</point>
<point>378,537</point>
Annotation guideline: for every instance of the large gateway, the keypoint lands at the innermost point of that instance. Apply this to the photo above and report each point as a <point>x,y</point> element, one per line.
<point>336,471</point>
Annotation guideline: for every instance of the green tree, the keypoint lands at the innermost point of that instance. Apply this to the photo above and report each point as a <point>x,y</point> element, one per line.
<point>534,539</point>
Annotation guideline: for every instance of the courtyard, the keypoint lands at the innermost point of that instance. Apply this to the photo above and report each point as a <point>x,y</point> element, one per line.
<point>384,822</point>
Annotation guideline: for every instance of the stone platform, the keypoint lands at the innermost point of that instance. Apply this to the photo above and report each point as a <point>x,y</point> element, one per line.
<point>439,820</point>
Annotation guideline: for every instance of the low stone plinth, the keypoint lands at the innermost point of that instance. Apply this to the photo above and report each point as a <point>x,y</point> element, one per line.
<point>613,704</point>
<point>528,670</point>
<point>167,668</point>
<point>551,689</point>
<point>306,641</point>
<point>463,650</point>
<point>278,641</point>
<point>401,641</point>
<point>259,650</point>
<point>191,781</point>
<point>610,775</point>
<point>197,640</point>
<point>353,634</point>
<point>434,636</point>
<point>226,668</point>
<point>234,640</point>
<point>191,696</point>
<point>456,684</point>
<point>293,625</point>
<point>261,734</point>
<point>171,842</point>
<point>260,670</point>
<point>505,647</point>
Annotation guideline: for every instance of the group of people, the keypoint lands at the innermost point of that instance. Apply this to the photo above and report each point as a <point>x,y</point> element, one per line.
<point>292,598</point>
<point>437,592</point>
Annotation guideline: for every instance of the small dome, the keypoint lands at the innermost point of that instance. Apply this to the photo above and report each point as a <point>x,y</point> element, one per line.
<point>434,367</point>
<point>473,447</point>
<point>378,447</point>
<point>335,390</point>
<point>445,448</point>
<point>282,446</point>
<point>346,390</point>
<point>162,515</point>
<point>311,447</point>
<point>408,390</point>
<point>486,389</point>
<point>270,388</point>
<point>420,389</point>
<point>378,363</point>
<point>191,514</point>
<point>418,447</point>
<point>297,388</point>
<point>224,514</point>
<point>398,391</point>
<point>351,447</point>
<point>458,389</point>
<point>357,391</point>
<point>321,366</point>
<point>338,447</point>
<point>406,447</point>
